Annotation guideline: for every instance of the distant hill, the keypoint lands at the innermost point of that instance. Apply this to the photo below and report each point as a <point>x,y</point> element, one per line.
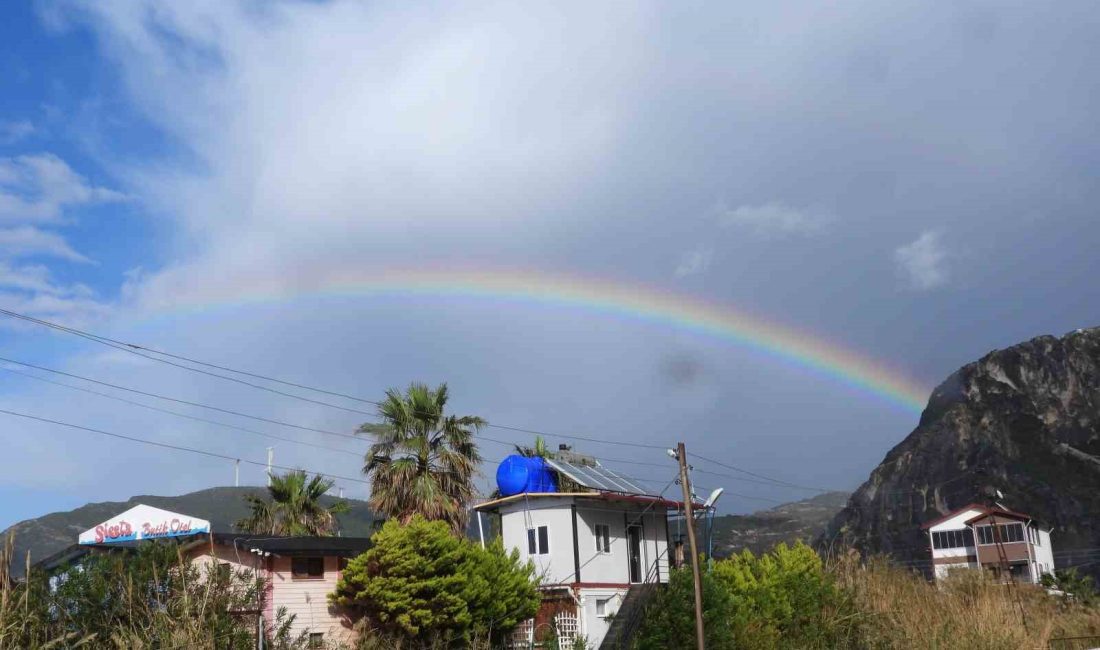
<point>1024,420</point>
<point>221,506</point>
<point>801,520</point>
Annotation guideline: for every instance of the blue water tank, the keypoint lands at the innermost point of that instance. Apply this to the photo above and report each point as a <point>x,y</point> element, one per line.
<point>517,474</point>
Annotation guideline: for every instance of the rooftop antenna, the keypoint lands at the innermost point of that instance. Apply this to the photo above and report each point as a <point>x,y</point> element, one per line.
<point>270,459</point>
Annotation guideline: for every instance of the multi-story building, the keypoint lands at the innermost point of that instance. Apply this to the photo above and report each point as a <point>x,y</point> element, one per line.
<point>990,537</point>
<point>598,541</point>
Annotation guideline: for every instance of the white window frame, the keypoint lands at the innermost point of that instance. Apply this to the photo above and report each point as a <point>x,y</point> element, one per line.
<point>606,603</point>
<point>603,541</point>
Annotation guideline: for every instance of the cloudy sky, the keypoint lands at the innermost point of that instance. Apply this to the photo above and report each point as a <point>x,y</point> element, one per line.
<point>911,183</point>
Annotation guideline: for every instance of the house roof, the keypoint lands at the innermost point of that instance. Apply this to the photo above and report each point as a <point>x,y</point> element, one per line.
<point>593,496</point>
<point>1000,512</point>
<point>296,546</point>
<point>983,512</point>
<point>953,513</point>
<point>277,546</point>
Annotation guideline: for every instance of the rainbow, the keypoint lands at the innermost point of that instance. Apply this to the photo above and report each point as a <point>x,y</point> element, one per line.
<point>628,301</point>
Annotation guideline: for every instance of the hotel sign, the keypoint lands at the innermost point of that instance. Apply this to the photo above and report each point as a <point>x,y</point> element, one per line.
<point>144,522</point>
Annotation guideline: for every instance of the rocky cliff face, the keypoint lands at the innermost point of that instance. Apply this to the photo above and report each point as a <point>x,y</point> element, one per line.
<point>1024,420</point>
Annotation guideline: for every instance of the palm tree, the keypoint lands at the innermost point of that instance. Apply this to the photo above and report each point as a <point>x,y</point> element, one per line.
<point>539,450</point>
<point>294,508</point>
<point>422,461</point>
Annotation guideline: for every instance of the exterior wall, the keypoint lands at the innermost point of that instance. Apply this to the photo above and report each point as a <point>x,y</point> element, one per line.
<point>307,598</point>
<point>1044,553</point>
<point>945,560</point>
<point>554,513</point>
<point>595,626</point>
<point>614,568</point>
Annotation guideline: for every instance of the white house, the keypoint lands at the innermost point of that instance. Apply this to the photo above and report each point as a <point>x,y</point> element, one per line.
<point>596,543</point>
<point>990,537</point>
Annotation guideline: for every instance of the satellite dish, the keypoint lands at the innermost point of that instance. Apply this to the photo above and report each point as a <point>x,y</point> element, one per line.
<point>709,503</point>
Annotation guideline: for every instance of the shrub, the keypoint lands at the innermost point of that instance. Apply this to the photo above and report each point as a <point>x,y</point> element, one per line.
<point>783,598</point>
<point>421,584</point>
<point>146,598</point>
<point>670,618</point>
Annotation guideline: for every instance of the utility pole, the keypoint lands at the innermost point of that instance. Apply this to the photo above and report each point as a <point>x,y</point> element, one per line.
<point>270,459</point>
<point>685,484</point>
<point>237,473</point>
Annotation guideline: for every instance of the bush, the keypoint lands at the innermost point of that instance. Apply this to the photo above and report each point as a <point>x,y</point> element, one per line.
<point>670,618</point>
<point>419,584</point>
<point>147,598</point>
<point>783,598</point>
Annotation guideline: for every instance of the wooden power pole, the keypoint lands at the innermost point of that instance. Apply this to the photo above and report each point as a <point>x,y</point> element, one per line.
<point>685,483</point>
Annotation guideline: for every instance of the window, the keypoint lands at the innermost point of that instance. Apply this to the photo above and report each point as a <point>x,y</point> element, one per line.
<point>1005,533</point>
<point>953,538</point>
<point>601,607</point>
<point>538,541</point>
<point>225,570</point>
<point>316,639</point>
<point>603,538</point>
<point>307,567</point>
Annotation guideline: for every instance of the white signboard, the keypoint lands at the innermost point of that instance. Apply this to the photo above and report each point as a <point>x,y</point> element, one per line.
<point>144,522</point>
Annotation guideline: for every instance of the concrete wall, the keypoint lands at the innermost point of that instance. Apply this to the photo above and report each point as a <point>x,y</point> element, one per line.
<point>594,626</point>
<point>1044,553</point>
<point>556,567</point>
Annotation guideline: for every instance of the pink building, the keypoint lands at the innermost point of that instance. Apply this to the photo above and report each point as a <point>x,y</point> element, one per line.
<point>300,571</point>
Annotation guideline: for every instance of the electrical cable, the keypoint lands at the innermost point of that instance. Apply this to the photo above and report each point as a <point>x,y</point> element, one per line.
<point>166,445</point>
<point>183,415</point>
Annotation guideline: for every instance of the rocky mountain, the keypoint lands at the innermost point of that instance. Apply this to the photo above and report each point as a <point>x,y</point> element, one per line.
<point>1024,420</point>
<point>801,520</point>
<point>221,506</point>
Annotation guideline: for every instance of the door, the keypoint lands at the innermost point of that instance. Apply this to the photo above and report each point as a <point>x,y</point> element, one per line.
<point>634,552</point>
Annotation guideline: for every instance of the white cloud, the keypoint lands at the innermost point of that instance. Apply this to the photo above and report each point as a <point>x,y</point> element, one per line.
<point>38,188</point>
<point>25,241</point>
<point>37,278</point>
<point>333,133</point>
<point>694,262</point>
<point>771,219</point>
<point>922,263</point>
<point>11,132</point>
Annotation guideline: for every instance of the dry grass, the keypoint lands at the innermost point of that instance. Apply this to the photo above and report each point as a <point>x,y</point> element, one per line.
<point>900,609</point>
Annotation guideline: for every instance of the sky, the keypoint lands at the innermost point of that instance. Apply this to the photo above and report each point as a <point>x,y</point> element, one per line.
<point>245,183</point>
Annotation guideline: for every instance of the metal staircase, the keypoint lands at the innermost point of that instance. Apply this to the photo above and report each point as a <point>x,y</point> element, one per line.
<point>631,612</point>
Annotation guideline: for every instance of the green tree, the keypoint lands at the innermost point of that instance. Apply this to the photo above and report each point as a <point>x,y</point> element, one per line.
<point>422,461</point>
<point>419,584</point>
<point>670,617</point>
<point>783,598</point>
<point>294,507</point>
<point>144,597</point>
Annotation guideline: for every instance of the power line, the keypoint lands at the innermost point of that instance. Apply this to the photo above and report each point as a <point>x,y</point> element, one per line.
<point>135,349</point>
<point>182,415</point>
<point>141,351</point>
<point>166,445</point>
<point>180,401</point>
